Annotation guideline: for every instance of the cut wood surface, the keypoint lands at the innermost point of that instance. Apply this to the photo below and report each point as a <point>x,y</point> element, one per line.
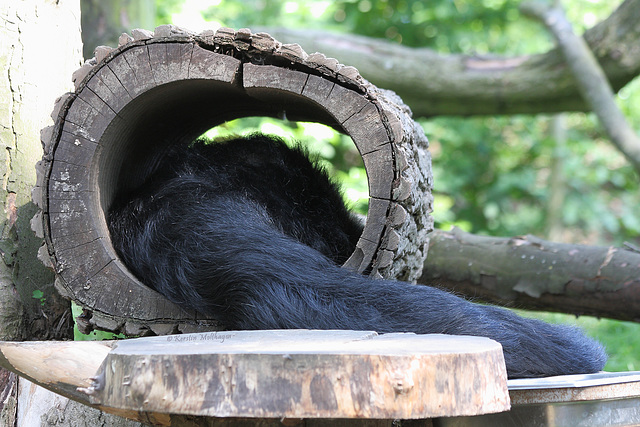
<point>62,366</point>
<point>170,85</point>
<point>275,374</point>
<point>300,375</point>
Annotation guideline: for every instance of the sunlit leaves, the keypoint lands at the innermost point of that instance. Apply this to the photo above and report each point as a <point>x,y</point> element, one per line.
<point>496,170</point>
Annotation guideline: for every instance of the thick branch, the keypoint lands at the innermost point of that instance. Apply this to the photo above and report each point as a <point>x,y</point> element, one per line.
<point>527,272</point>
<point>433,84</point>
<point>591,80</point>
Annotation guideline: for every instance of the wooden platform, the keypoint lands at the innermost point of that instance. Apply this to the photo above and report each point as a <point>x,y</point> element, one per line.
<point>274,374</point>
<point>247,378</point>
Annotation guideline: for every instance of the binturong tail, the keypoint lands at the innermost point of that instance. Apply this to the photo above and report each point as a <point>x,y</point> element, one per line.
<point>236,265</point>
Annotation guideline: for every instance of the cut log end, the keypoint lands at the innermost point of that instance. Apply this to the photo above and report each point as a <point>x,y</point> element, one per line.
<point>153,91</point>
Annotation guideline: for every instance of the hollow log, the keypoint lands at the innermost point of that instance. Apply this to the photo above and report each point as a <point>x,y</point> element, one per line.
<point>130,103</point>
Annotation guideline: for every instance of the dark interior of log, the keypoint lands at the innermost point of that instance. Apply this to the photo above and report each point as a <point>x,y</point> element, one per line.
<point>149,123</point>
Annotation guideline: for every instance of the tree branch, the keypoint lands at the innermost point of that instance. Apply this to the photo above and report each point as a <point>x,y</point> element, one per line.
<point>531,273</point>
<point>433,84</point>
<point>591,80</point>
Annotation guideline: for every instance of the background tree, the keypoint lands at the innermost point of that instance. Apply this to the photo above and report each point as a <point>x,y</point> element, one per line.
<point>107,20</point>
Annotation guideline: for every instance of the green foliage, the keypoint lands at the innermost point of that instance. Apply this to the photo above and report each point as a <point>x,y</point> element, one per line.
<point>495,174</point>
<point>463,26</point>
<point>39,295</point>
<point>248,13</point>
<point>76,311</point>
<point>447,26</point>
<point>165,10</point>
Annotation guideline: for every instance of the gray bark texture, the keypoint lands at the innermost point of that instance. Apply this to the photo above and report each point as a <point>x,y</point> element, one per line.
<point>531,273</point>
<point>31,42</point>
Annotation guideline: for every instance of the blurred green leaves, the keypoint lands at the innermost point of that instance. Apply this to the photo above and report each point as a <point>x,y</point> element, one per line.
<point>496,172</point>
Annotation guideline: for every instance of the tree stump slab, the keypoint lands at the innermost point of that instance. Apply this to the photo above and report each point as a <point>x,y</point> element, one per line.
<point>275,374</point>
<point>318,378</point>
<point>164,87</point>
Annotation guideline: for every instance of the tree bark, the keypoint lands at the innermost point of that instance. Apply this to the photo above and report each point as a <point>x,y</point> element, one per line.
<point>31,40</point>
<point>39,49</point>
<point>591,81</point>
<point>433,84</point>
<point>556,182</point>
<point>531,273</point>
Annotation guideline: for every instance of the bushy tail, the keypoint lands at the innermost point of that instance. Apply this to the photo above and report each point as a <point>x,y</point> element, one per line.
<point>320,295</point>
<point>230,261</point>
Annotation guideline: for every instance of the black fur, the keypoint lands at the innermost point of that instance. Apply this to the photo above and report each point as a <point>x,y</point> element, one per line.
<point>252,233</point>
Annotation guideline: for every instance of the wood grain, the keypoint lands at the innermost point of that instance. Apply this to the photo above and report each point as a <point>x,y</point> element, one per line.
<point>274,374</point>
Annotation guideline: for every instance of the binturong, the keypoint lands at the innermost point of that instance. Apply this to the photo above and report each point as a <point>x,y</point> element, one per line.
<point>251,232</point>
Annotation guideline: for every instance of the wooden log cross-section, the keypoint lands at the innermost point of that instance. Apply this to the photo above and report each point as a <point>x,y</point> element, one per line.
<point>271,375</point>
<point>318,378</point>
<point>169,86</point>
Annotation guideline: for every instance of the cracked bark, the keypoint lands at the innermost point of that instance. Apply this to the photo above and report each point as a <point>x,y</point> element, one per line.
<point>531,273</point>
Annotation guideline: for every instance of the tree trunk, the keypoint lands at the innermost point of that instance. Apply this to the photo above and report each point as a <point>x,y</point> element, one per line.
<point>31,44</point>
<point>433,84</point>
<point>531,273</point>
<point>39,49</point>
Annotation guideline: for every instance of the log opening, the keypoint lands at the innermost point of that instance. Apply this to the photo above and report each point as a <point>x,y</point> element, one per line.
<point>132,102</point>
